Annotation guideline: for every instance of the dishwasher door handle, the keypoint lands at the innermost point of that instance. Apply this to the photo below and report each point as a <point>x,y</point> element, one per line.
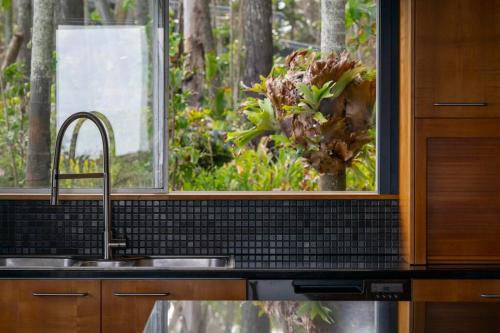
<point>329,287</point>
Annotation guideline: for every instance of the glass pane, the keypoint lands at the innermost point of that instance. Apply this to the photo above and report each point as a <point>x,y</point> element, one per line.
<point>272,95</point>
<point>100,56</point>
<point>268,317</point>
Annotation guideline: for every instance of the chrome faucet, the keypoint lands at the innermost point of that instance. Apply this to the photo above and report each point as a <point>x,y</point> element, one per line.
<point>109,242</point>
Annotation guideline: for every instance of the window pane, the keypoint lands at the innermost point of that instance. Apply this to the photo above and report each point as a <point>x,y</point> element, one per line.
<point>94,56</point>
<point>272,95</point>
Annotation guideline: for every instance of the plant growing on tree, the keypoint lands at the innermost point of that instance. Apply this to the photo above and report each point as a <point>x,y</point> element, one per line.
<point>323,106</point>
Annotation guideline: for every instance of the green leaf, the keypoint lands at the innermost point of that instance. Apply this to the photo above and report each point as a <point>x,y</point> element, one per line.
<point>320,118</point>
<point>346,78</point>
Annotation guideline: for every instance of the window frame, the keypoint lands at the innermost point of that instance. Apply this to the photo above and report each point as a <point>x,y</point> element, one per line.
<point>387,131</point>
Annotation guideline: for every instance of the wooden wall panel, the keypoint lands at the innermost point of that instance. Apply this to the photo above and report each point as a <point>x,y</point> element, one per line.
<point>406,132</point>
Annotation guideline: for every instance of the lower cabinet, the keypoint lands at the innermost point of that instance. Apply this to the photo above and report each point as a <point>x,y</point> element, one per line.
<point>88,306</point>
<point>457,306</point>
<point>127,304</point>
<point>50,306</point>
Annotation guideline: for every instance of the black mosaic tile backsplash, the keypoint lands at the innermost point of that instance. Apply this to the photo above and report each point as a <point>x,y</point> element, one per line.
<point>259,234</point>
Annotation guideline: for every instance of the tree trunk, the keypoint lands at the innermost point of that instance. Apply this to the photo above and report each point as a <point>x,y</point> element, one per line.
<point>333,40</point>
<point>12,51</point>
<point>198,40</point>
<point>120,12</point>
<point>7,24</point>
<point>38,164</point>
<point>141,12</point>
<point>252,322</point>
<point>71,12</point>
<point>102,7</point>
<point>258,39</point>
<point>24,24</point>
<point>332,26</point>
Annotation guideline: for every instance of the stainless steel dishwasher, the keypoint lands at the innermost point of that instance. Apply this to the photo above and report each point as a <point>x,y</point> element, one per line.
<point>285,306</point>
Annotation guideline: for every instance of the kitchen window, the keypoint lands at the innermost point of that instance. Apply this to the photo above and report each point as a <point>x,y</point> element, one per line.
<point>250,97</point>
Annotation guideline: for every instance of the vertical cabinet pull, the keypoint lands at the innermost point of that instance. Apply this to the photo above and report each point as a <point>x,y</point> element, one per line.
<point>38,294</point>
<point>139,294</point>
<point>461,104</point>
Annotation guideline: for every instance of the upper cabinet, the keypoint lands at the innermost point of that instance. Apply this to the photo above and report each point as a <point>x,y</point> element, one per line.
<point>457,58</point>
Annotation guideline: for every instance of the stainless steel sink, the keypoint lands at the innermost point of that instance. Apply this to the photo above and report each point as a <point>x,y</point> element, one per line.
<point>34,262</point>
<point>135,263</point>
<point>185,262</point>
<point>104,263</point>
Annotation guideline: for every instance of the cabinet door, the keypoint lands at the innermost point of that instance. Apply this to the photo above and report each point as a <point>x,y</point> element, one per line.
<point>127,304</point>
<point>50,306</point>
<point>457,58</point>
<point>457,306</point>
<point>456,317</point>
<point>457,183</point>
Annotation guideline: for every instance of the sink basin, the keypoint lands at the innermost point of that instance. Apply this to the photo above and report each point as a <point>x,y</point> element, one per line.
<point>185,262</point>
<point>133,263</point>
<point>34,262</point>
<point>104,263</point>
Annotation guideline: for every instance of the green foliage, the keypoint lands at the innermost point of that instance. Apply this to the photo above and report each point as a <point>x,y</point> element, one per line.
<point>261,114</point>
<point>260,169</point>
<point>13,126</point>
<point>361,175</point>
<point>313,309</point>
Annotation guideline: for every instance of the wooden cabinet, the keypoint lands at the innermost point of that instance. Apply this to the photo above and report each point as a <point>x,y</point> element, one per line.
<point>74,306</point>
<point>450,154</point>
<point>126,304</point>
<point>456,291</point>
<point>456,306</point>
<point>50,306</point>
<point>457,201</point>
<point>457,58</point>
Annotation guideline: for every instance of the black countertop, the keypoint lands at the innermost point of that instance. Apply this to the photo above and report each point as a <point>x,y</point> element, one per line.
<point>358,271</point>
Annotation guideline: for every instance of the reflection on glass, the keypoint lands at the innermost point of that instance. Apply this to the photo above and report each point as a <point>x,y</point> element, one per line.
<point>261,317</point>
<point>83,55</point>
<point>106,70</point>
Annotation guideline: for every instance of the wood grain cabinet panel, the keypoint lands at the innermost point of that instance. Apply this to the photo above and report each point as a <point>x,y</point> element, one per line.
<point>127,304</point>
<point>457,306</point>
<point>456,290</point>
<point>457,57</point>
<point>456,317</point>
<point>457,215</point>
<point>50,306</point>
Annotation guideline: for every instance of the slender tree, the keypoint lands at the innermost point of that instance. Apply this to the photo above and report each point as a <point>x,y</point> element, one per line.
<point>258,39</point>
<point>198,40</point>
<point>8,15</point>
<point>38,164</point>
<point>24,22</point>
<point>71,12</point>
<point>141,12</point>
<point>104,10</point>
<point>333,35</point>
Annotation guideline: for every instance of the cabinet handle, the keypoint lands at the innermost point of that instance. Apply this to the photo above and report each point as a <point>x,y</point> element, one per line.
<point>139,294</point>
<point>461,104</point>
<point>490,295</point>
<point>60,294</point>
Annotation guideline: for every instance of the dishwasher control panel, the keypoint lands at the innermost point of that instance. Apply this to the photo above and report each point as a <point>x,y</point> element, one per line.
<point>388,290</point>
<point>331,289</point>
